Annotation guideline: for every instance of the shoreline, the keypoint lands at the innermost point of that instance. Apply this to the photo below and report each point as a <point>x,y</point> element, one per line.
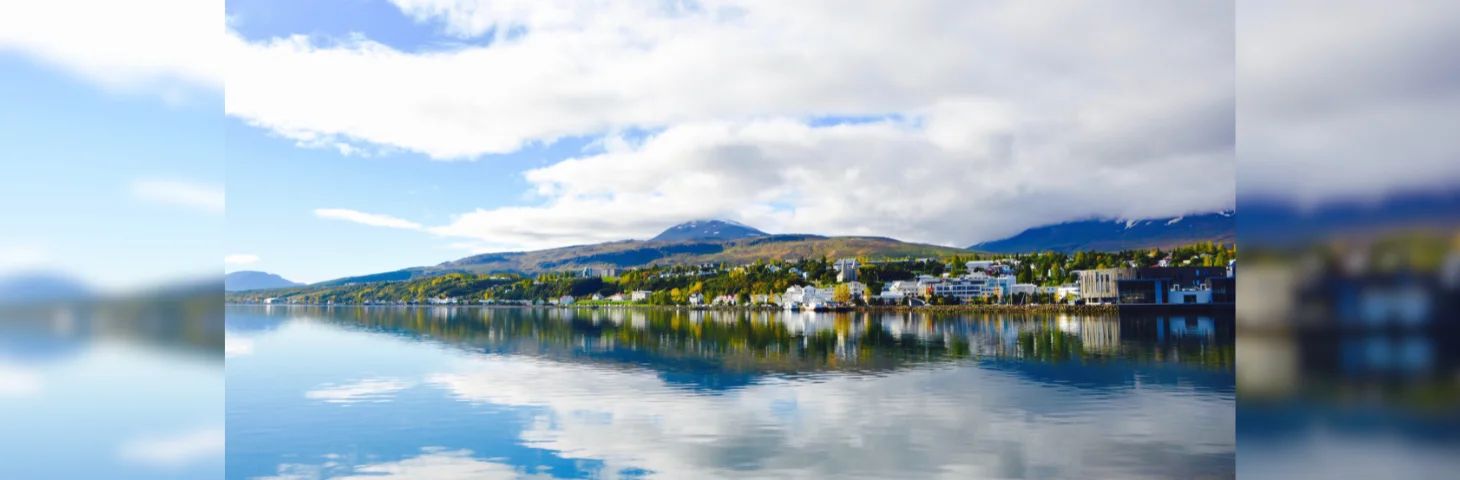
<point>1072,309</point>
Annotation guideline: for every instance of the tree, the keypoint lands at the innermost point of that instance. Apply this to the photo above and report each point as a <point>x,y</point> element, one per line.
<point>841,293</point>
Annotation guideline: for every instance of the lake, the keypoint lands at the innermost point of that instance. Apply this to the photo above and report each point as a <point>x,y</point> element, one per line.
<point>456,393</point>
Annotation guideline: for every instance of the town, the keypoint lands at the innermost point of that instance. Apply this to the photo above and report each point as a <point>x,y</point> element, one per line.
<point>1197,274</point>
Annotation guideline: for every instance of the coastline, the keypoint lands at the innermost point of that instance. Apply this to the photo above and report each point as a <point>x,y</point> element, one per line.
<point>1067,309</point>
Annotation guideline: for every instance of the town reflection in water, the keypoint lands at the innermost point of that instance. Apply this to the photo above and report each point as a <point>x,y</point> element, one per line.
<point>324,392</point>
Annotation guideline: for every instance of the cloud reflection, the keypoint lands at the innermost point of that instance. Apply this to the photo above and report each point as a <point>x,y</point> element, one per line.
<point>369,390</point>
<point>434,464</point>
<point>18,382</point>
<point>177,450</point>
<point>926,422</point>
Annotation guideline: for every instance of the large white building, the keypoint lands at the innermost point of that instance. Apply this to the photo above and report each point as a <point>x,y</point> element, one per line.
<point>805,297</point>
<point>639,295</point>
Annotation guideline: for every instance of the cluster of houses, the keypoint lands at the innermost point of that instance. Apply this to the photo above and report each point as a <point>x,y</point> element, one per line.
<point>985,279</point>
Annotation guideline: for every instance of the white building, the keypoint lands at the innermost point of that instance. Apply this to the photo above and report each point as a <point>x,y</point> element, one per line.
<point>900,289</point>
<point>639,295</point>
<point>617,297</point>
<point>980,265</point>
<point>857,289</point>
<point>565,300</point>
<point>726,299</point>
<point>805,297</point>
<point>597,296</point>
<point>696,299</point>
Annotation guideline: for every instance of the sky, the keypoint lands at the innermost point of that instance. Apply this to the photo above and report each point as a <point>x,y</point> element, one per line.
<point>112,150</point>
<point>366,136</point>
<point>362,136</point>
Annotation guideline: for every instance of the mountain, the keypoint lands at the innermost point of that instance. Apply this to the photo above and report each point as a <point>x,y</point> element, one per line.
<point>41,287</point>
<point>254,280</point>
<point>746,246</point>
<point>1116,235</point>
<point>707,230</point>
<point>633,253</point>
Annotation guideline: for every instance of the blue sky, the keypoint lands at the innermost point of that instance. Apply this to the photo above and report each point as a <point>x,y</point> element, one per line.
<point>76,156</point>
<point>370,135</point>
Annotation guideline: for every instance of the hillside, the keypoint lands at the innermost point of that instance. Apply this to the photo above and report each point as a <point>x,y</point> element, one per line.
<point>636,253</point>
<point>254,280</point>
<point>738,251</point>
<point>1116,235</point>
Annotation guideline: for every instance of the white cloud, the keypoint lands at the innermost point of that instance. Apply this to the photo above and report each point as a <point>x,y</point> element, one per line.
<point>374,220</point>
<point>18,382</point>
<point>369,390</point>
<point>1344,100</point>
<point>997,116</point>
<point>969,422</point>
<point>172,451</point>
<point>131,46</point>
<point>916,184</point>
<point>189,194</point>
<point>583,68</point>
<point>240,258</point>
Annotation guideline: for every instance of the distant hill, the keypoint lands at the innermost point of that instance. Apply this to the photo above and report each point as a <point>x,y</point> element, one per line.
<point>41,287</point>
<point>746,246</point>
<point>1116,235</point>
<point>254,280</point>
<point>635,253</point>
<point>707,230</point>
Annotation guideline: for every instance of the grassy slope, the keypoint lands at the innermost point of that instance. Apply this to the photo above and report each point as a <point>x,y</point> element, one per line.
<point>740,251</point>
<point>635,253</point>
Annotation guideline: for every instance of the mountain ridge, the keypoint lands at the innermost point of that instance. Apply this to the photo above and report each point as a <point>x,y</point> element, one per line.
<point>1119,234</point>
<point>254,280</point>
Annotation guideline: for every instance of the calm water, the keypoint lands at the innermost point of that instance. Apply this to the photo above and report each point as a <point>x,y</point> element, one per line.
<point>537,393</point>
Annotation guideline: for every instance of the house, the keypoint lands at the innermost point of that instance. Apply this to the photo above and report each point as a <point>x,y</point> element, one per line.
<point>726,299</point>
<point>639,295</point>
<point>617,297</point>
<point>565,300</point>
<point>1023,288</point>
<point>696,299</point>
<point>980,265</point>
<point>857,289</point>
<point>597,296</point>
<point>805,297</point>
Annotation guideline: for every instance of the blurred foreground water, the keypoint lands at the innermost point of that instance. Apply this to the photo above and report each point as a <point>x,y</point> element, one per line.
<point>127,387</point>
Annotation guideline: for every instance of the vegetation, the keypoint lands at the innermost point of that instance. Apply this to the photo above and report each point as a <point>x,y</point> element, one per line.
<point>675,284</point>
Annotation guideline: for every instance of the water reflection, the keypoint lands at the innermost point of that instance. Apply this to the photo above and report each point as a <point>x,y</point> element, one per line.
<point>118,388</point>
<point>483,393</point>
